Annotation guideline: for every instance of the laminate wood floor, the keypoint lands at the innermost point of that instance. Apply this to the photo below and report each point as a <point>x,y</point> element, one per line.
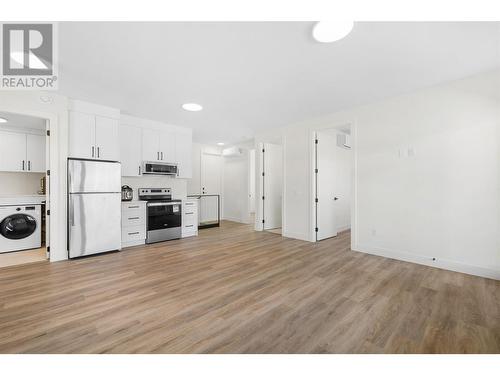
<point>233,290</point>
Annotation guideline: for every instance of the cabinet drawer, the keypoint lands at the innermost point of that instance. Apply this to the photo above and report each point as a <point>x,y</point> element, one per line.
<point>134,233</point>
<point>133,217</point>
<point>189,218</point>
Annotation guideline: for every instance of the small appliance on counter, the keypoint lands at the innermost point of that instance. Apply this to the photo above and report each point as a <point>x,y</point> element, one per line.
<point>163,214</point>
<point>127,193</point>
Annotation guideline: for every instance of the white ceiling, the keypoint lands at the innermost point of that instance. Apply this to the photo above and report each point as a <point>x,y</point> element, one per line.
<point>21,121</point>
<point>253,76</point>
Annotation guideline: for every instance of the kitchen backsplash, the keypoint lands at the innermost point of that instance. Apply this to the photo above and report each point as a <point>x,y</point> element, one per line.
<point>20,183</point>
<point>178,185</point>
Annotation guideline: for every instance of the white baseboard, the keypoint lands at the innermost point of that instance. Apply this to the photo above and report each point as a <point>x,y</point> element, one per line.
<point>343,228</point>
<point>235,219</point>
<point>297,236</point>
<point>428,261</point>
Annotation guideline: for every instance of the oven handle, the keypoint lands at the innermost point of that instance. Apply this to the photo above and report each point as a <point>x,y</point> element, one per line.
<point>163,204</point>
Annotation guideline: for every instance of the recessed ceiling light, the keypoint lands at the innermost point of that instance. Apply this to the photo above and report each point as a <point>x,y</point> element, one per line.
<point>220,143</point>
<point>192,107</point>
<point>331,31</point>
<point>3,119</point>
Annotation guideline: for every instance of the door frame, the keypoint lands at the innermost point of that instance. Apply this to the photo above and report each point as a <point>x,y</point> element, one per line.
<point>354,181</point>
<point>55,200</point>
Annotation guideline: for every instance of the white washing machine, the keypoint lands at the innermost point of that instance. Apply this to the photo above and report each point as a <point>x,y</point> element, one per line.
<point>20,227</point>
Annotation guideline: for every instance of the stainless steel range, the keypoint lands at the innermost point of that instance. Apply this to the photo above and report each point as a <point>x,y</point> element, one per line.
<point>164,214</point>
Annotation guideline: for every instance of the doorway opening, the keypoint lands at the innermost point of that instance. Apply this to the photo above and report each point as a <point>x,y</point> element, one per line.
<point>271,184</point>
<point>333,181</point>
<point>24,189</point>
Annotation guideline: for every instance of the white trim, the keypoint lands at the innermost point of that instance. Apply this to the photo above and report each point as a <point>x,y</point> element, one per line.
<point>429,261</point>
<point>296,236</point>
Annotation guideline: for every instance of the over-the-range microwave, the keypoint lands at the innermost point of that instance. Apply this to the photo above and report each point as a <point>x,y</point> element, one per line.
<point>154,167</point>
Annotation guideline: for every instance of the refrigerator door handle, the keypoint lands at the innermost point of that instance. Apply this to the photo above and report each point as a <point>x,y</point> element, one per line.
<point>72,213</point>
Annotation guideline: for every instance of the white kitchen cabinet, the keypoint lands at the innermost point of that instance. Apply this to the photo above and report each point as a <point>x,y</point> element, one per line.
<point>130,150</point>
<point>183,154</point>
<point>133,223</point>
<point>167,147</point>
<point>190,218</point>
<point>93,137</point>
<point>158,145</point>
<point>35,153</point>
<point>106,138</point>
<point>21,152</point>
<point>13,152</point>
<point>82,135</point>
<point>150,145</point>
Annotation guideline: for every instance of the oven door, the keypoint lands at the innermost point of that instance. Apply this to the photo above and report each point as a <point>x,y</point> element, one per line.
<point>164,221</point>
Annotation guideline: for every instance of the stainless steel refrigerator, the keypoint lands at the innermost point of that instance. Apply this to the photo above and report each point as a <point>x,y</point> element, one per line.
<point>94,207</point>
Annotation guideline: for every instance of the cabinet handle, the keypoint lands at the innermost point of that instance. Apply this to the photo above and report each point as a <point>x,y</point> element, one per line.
<point>162,155</point>
<point>134,218</point>
<point>92,151</point>
<point>189,213</point>
<point>23,165</point>
<point>98,152</point>
<point>133,233</point>
<point>29,165</point>
<point>139,169</point>
<point>158,156</point>
<point>133,206</point>
<point>188,226</point>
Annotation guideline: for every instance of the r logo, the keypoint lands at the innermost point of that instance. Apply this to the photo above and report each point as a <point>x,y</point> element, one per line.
<point>27,49</point>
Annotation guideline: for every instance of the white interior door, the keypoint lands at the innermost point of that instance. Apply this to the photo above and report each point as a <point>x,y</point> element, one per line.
<point>325,186</point>
<point>211,173</point>
<point>35,153</point>
<point>273,185</point>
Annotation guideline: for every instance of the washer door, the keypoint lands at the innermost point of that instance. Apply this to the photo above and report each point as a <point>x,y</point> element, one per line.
<point>18,226</point>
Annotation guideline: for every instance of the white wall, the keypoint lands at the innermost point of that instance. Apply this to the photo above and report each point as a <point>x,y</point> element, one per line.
<point>440,202</point>
<point>20,183</point>
<point>178,185</point>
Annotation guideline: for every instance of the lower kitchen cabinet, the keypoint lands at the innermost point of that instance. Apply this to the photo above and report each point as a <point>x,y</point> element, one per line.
<point>133,223</point>
<point>190,218</point>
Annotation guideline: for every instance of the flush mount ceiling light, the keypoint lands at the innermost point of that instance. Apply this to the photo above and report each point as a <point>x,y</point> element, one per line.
<point>192,107</point>
<point>3,119</point>
<point>220,143</point>
<point>331,31</point>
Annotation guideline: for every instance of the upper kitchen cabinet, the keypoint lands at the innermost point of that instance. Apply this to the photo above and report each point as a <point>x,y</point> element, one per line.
<point>167,146</point>
<point>22,152</point>
<point>35,152</point>
<point>158,145</point>
<point>12,152</point>
<point>93,131</point>
<point>183,154</point>
<point>150,145</point>
<point>130,150</point>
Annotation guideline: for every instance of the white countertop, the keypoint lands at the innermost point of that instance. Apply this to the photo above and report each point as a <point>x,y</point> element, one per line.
<point>14,200</point>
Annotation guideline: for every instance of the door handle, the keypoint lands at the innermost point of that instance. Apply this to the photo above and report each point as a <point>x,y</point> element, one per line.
<point>92,151</point>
